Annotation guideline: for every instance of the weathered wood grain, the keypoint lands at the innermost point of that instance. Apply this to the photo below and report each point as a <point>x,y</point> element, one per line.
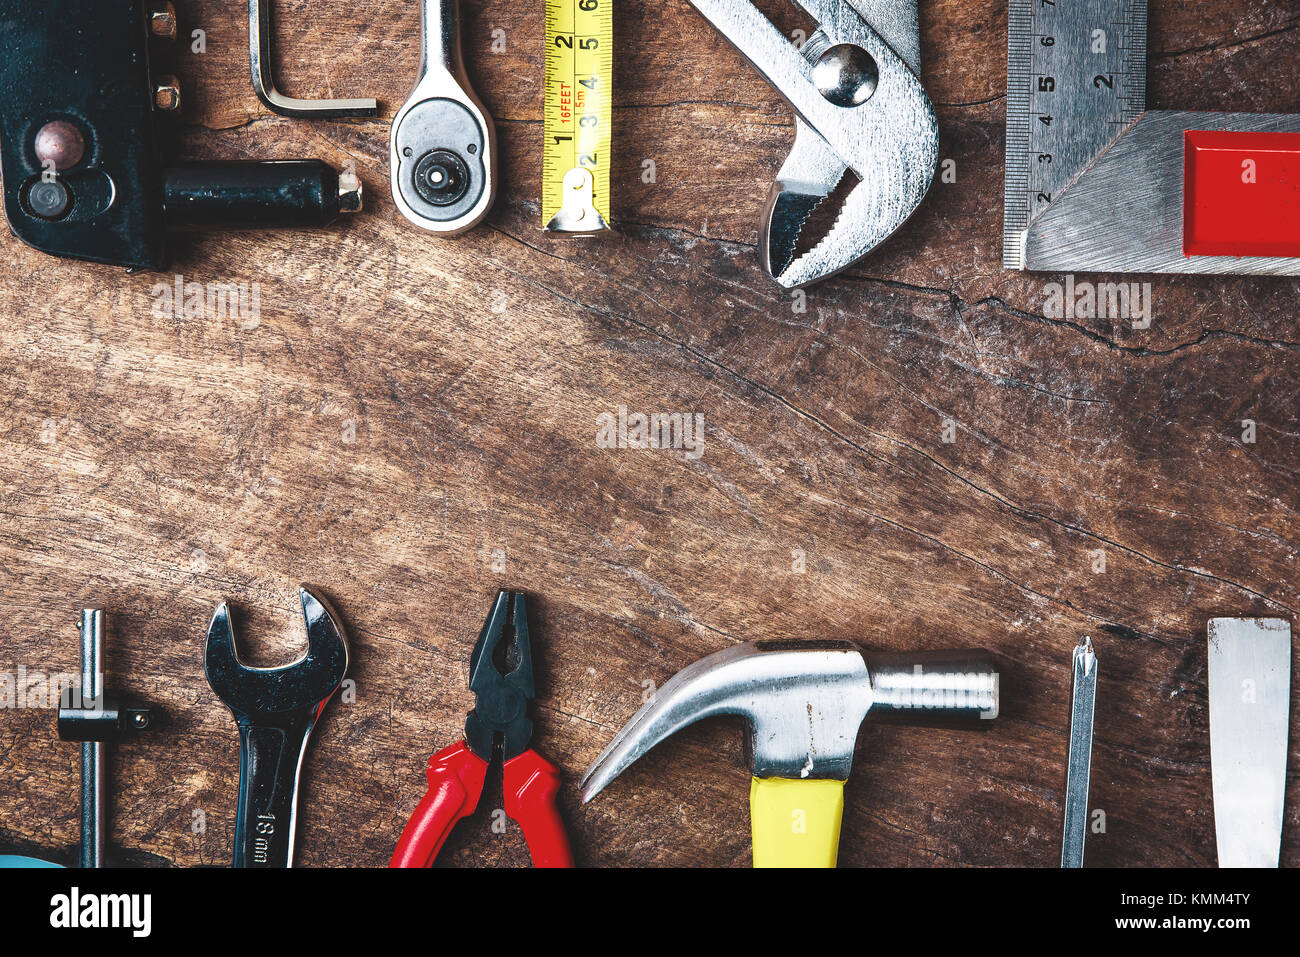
<point>412,414</point>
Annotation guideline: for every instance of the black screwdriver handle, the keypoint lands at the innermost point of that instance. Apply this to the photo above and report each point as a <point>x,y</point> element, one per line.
<point>257,194</point>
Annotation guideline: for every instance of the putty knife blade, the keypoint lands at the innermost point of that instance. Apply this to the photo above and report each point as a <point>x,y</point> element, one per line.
<point>1250,716</point>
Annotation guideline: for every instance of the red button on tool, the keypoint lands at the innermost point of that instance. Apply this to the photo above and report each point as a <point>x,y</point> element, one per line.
<point>1241,194</point>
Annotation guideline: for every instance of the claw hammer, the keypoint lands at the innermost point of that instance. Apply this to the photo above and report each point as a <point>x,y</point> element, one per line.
<point>804,701</point>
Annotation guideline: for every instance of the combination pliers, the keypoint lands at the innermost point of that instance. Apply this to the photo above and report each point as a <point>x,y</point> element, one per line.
<point>499,721</point>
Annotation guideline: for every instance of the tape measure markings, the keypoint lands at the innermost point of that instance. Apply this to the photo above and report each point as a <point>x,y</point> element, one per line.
<point>578,114</point>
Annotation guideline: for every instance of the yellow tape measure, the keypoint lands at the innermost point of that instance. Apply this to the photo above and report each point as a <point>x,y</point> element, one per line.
<point>579,115</point>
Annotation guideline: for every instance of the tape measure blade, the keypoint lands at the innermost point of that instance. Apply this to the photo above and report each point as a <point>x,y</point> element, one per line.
<point>556,123</point>
<point>578,115</point>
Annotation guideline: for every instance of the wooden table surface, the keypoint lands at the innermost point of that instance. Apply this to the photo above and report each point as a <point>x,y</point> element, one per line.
<point>411,425</point>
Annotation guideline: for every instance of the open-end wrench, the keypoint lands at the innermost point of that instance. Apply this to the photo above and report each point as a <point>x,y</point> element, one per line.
<point>275,708</point>
<point>442,151</point>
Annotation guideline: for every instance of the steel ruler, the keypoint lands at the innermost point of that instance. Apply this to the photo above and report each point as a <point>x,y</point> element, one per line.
<point>578,121</point>
<point>1076,78</point>
<point>1096,182</point>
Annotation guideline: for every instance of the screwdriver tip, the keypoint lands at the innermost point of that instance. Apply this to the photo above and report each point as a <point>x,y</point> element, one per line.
<point>1085,658</point>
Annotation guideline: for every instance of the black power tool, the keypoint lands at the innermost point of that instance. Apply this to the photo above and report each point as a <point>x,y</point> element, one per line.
<point>84,138</point>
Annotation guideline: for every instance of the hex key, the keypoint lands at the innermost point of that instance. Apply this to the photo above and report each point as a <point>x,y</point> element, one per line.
<point>259,52</point>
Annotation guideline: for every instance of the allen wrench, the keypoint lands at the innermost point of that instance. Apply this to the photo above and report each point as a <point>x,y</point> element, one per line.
<point>260,58</point>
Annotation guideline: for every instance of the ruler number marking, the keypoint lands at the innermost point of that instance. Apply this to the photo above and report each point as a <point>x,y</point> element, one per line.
<point>1076,76</point>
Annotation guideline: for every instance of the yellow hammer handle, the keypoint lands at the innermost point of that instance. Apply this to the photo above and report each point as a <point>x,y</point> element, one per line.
<point>796,822</point>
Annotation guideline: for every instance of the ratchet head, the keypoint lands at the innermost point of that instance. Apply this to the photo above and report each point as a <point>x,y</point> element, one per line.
<point>442,150</point>
<point>304,684</point>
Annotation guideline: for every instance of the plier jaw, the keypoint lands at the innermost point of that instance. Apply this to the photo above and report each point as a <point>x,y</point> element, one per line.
<point>500,714</point>
<point>501,676</point>
<point>861,116</point>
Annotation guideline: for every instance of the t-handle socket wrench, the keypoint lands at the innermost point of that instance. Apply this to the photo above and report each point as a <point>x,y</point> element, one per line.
<point>95,717</point>
<point>442,152</point>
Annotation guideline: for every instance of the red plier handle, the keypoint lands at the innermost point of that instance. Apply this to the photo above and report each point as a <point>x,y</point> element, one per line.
<point>456,776</point>
<point>530,785</point>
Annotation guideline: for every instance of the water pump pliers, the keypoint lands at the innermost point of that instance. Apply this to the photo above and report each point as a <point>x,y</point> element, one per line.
<point>501,677</point>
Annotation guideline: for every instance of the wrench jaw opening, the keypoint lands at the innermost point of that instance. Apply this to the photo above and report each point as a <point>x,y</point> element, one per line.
<point>246,689</point>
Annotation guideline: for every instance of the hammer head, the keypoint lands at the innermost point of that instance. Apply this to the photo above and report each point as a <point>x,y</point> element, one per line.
<point>803,702</point>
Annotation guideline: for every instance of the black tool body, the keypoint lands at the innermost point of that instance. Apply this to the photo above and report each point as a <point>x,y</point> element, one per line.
<point>87,141</point>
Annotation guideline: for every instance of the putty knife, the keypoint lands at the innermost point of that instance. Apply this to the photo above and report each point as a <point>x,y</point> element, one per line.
<point>1250,715</point>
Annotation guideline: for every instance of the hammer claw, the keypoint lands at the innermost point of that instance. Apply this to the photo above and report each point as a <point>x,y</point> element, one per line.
<point>803,701</point>
<point>678,703</point>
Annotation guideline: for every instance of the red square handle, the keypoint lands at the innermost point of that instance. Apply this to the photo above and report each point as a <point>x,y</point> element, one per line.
<point>1241,194</point>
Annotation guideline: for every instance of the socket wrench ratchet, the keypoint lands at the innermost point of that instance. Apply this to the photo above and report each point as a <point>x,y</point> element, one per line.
<point>442,151</point>
<point>276,709</point>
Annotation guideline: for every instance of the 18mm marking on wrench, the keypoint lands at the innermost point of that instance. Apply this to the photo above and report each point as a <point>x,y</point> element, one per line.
<point>1076,78</point>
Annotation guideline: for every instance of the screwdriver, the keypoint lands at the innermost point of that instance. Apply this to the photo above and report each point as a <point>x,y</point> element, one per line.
<point>1079,766</point>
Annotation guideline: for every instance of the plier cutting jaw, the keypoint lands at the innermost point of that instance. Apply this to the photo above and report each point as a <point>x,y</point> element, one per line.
<point>501,677</point>
<point>860,109</point>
